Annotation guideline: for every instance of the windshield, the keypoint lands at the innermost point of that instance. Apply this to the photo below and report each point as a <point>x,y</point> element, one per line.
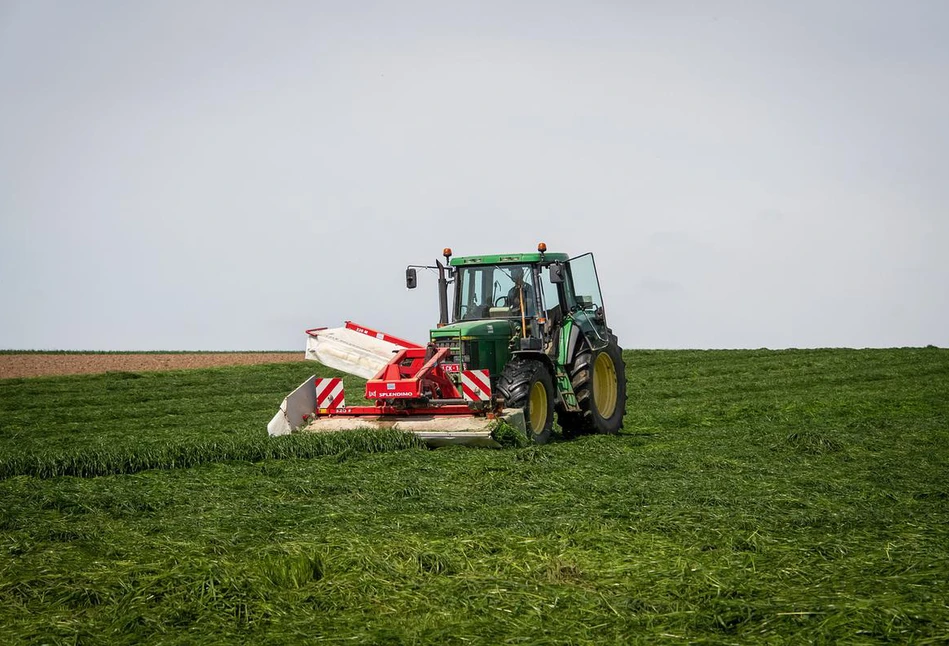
<point>494,291</point>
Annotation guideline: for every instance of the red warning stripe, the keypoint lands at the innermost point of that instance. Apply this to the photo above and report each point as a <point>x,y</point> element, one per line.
<point>330,393</point>
<point>476,385</point>
<point>368,331</point>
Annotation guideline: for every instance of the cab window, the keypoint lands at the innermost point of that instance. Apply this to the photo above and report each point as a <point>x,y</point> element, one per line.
<point>586,285</point>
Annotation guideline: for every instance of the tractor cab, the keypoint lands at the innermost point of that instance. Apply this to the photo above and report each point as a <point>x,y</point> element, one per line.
<point>534,288</point>
<point>497,291</point>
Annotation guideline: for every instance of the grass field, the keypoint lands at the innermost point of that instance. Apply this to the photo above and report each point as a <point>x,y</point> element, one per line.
<point>754,496</point>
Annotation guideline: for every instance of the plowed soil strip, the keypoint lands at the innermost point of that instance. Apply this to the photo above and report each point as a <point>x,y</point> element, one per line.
<point>44,365</point>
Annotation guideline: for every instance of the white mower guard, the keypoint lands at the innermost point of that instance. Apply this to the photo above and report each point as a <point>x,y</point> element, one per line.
<point>294,409</point>
<point>353,349</point>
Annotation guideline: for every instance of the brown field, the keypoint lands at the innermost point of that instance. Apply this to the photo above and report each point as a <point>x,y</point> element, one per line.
<point>33,364</point>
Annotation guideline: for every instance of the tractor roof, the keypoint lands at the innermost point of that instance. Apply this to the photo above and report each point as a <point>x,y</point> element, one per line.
<point>508,258</point>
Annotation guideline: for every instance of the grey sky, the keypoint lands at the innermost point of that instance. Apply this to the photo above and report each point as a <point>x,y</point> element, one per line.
<point>222,175</point>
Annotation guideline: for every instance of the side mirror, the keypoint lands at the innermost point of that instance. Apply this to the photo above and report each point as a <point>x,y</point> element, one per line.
<point>411,279</point>
<point>556,273</point>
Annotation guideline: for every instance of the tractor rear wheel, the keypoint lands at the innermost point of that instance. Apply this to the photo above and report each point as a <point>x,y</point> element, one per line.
<point>599,382</point>
<point>527,384</point>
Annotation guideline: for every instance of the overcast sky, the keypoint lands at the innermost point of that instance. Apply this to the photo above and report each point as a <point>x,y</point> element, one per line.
<point>223,175</point>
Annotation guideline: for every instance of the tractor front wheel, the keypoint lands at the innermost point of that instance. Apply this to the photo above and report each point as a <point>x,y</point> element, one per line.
<point>527,384</point>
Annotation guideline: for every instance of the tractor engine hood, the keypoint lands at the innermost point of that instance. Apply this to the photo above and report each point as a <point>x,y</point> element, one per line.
<point>482,329</point>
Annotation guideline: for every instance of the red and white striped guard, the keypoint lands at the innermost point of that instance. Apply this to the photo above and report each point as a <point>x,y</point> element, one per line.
<point>475,385</point>
<point>329,393</point>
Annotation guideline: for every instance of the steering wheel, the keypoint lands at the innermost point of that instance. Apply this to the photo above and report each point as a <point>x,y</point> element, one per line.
<point>501,299</point>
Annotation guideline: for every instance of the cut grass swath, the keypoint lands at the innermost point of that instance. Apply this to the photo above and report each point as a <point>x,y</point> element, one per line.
<point>103,460</point>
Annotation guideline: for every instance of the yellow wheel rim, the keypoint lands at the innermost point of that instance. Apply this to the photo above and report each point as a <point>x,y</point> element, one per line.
<point>604,385</point>
<point>538,407</point>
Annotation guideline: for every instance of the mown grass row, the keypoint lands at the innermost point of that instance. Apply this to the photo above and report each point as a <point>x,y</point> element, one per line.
<point>94,461</point>
<point>128,409</point>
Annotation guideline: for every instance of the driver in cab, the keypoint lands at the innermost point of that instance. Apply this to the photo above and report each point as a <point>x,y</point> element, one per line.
<point>521,288</point>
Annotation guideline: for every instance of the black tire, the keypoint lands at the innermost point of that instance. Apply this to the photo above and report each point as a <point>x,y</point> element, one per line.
<point>612,369</point>
<point>527,384</point>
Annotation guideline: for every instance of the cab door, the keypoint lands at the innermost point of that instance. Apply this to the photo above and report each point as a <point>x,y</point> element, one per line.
<point>585,300</point>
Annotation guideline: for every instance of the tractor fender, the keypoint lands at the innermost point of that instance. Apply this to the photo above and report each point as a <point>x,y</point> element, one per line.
<point>565,396</point>
<point>572,340</point>
<point>539,356</point>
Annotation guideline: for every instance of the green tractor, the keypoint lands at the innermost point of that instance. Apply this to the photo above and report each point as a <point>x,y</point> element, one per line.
<point>537,323</point>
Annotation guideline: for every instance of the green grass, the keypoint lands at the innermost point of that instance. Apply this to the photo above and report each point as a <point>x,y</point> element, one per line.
<point>754,496</point>
<point>44,421</point>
